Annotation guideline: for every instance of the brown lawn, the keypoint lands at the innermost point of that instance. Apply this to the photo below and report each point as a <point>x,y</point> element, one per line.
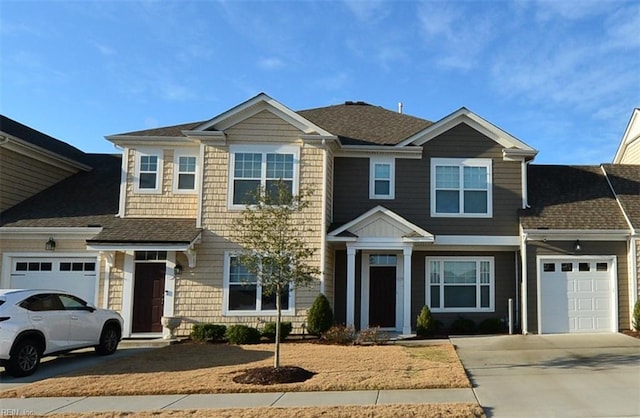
<point>190,368</point>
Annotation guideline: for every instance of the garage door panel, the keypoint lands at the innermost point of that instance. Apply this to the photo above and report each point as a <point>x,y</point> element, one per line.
<point>576,297</point>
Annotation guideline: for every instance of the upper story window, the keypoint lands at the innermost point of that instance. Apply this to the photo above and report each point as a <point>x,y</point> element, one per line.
<point>148,172</point>
<point>185,166</point>
<point>461,187</point>
<point>381,178</point>
<point>253,168</point>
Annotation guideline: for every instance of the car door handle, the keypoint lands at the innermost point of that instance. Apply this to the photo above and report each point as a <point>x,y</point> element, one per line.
<point>36,318</point>
<point>74,318</point>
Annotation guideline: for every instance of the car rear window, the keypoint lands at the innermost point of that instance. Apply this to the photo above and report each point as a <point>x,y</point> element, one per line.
<point>1,302</point>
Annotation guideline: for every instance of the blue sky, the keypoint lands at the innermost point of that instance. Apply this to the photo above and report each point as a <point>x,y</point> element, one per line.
<point>562,76</point>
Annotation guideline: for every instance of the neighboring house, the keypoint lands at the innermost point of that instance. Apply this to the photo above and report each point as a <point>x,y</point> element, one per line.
<point>405,213</point>
<point>31,161</point>
<point>629,150</point>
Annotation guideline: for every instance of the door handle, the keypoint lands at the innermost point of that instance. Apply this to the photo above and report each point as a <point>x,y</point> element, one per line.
<point>36,318</point>
<point>74,318</point>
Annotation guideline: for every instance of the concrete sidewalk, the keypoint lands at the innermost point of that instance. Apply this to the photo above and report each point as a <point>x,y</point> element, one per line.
<point>42,406</point>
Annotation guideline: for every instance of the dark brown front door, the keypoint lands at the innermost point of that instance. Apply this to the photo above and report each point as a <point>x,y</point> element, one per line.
<point>148,297</point>
<point>382,297</point>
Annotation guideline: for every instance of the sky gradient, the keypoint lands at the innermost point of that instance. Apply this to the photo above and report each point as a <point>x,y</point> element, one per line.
<point>562,76</point>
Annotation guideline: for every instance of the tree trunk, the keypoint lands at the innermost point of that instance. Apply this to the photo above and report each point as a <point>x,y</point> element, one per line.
<point>276,359</point>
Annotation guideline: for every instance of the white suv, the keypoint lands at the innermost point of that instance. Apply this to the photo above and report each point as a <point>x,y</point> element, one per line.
<point>36,323</point>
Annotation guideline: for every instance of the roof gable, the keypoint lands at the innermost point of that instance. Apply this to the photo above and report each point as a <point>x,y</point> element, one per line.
<point>511,145</point>
<point>255,105</point>
<point>380,222</point>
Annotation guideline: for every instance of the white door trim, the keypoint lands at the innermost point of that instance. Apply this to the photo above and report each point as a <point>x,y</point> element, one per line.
<point>365,288</point>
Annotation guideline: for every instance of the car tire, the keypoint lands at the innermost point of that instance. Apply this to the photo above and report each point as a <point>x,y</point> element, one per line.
<point>109,339</point>
<point>25,358</point>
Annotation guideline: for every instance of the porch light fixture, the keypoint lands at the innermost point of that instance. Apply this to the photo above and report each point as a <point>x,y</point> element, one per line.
<point>577,247</point>
<point>50,245</point>
<point>177,270</point>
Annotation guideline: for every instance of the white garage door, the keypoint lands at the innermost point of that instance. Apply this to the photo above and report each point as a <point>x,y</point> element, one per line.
<point>577,295</point>
<point>75,275</point>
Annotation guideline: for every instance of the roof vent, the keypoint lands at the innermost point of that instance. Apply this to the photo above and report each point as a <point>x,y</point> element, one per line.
<point>400,105</point>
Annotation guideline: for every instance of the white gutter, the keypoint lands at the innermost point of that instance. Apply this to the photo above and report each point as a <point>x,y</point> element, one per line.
<point>201,186</point>
<point>323,221</point>
<point>525,186</point>
<point>524,291</point>
<point>122,202</point>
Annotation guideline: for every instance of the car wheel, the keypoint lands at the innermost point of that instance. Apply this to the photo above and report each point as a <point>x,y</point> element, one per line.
<point>109,340</point>
<point>25,359</point>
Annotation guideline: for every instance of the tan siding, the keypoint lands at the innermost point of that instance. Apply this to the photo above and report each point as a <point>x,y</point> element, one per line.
<point>22,177</point>
<point>163,205</point>
<point>632,153</point>
<point>199,291</point>
<point>116,283</point>
<point>615,248</point>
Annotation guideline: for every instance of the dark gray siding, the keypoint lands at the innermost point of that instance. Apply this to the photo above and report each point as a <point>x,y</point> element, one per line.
<point>412,200</point>
<point>617,248</point>
<point>505,286</point>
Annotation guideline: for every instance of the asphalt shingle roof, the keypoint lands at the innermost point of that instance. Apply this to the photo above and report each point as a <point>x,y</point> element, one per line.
<point>625,180</point>
<point>41,140</point>
<point>137,231</point>
<point>570,197</point>
<point>360,123</point>
<point>169,131</point>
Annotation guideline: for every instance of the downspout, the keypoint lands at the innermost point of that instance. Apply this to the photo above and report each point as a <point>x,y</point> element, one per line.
<point>323,222</point>
<point>525,185</point>
<point>201,186</point>
<point>123,182</point>
<point>524,291</point>
<point>633,271</point>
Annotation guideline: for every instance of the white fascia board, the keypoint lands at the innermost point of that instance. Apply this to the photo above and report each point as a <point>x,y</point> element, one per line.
<point>465,115</point>
<point>8,232</point>
<point>389,213</point>
<point>573,234</point>
<point>131,141</point>
<point>138,247</point>
<point>258,104</point>
<point>483,240</point>
<point>331,238</point>
<point>622,210</point>
<point>629,137</point>
<point>366,151</point>
<point>22,147</point>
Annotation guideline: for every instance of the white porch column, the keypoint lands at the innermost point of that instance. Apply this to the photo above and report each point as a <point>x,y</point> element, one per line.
<point>406,322</point>
<point>351,285</point>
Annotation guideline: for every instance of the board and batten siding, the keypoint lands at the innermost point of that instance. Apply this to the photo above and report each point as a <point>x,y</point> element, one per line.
<point>565,248</point>
<point>22,177</point>
<point>412,186</point>
<point>158,205</point>
<point>199,291</point>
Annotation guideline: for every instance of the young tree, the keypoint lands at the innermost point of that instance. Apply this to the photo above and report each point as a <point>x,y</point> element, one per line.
<point>273,235</point>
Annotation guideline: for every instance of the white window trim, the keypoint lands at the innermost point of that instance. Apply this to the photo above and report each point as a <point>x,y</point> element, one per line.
<point>492,284</point>
<point>139,153</point>
<point>261,149</point>
<point>225,294</point>
<point>462,162</point>
<point>373,161</point>
<point>176,170</point>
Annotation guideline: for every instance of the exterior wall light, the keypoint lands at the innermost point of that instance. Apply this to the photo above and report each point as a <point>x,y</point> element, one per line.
<point>577,247</point>
<point>50,245</point>
<point>177,270</point>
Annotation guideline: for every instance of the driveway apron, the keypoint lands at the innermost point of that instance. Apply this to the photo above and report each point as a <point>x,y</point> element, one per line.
<point>590,375</point>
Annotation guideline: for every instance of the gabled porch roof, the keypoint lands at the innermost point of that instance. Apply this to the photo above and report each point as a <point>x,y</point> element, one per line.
<point>380,223</point>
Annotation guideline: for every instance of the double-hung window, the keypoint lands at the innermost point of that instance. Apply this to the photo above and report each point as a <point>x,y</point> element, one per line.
<point>245,296</point>
<point>148,172</point>
<point>253,168</point>
<point>381,178</point>
<point>461,187</point>
<point>460,284</point>
<point>185,166</point>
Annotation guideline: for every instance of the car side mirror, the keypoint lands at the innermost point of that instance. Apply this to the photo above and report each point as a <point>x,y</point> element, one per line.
<point>90,308</point>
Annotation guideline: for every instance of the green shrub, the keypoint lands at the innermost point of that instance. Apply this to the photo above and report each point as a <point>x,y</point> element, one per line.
<point>320,316</point>
<point>636,315</point>
<point>208,332</point>
<point>372,336</point>
<point>463,326</point>
<point>269,331</point>
<point>341,335</point>
<point>491,326</point>
<point>425,325</point>
<point>242,334</point>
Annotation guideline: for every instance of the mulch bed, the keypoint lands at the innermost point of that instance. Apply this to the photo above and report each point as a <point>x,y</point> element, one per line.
<point>272,375</point>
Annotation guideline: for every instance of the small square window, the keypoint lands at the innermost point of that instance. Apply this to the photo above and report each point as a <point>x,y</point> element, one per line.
<point>584,267</point>
<point>21,266</point>
<point>65,266</point>
<point>602,266</point>
<point>549,267</point>
<point>566,267</point>
<point>45,266</point>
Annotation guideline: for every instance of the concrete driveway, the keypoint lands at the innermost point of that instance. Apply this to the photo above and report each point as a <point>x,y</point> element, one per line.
<point>594,375</point>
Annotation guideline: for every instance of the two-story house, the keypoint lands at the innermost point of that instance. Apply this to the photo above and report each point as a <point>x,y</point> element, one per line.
<point>405,213</point>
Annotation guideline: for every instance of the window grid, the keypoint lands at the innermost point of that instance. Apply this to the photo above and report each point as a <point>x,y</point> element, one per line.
<point>254,170</point>
<point>460,285</point>
<point>461,187</point>
<point>186,173</point>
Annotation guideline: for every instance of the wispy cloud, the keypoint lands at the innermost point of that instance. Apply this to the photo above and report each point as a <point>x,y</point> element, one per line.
<point>270,64</point>
<point>371,11</point>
